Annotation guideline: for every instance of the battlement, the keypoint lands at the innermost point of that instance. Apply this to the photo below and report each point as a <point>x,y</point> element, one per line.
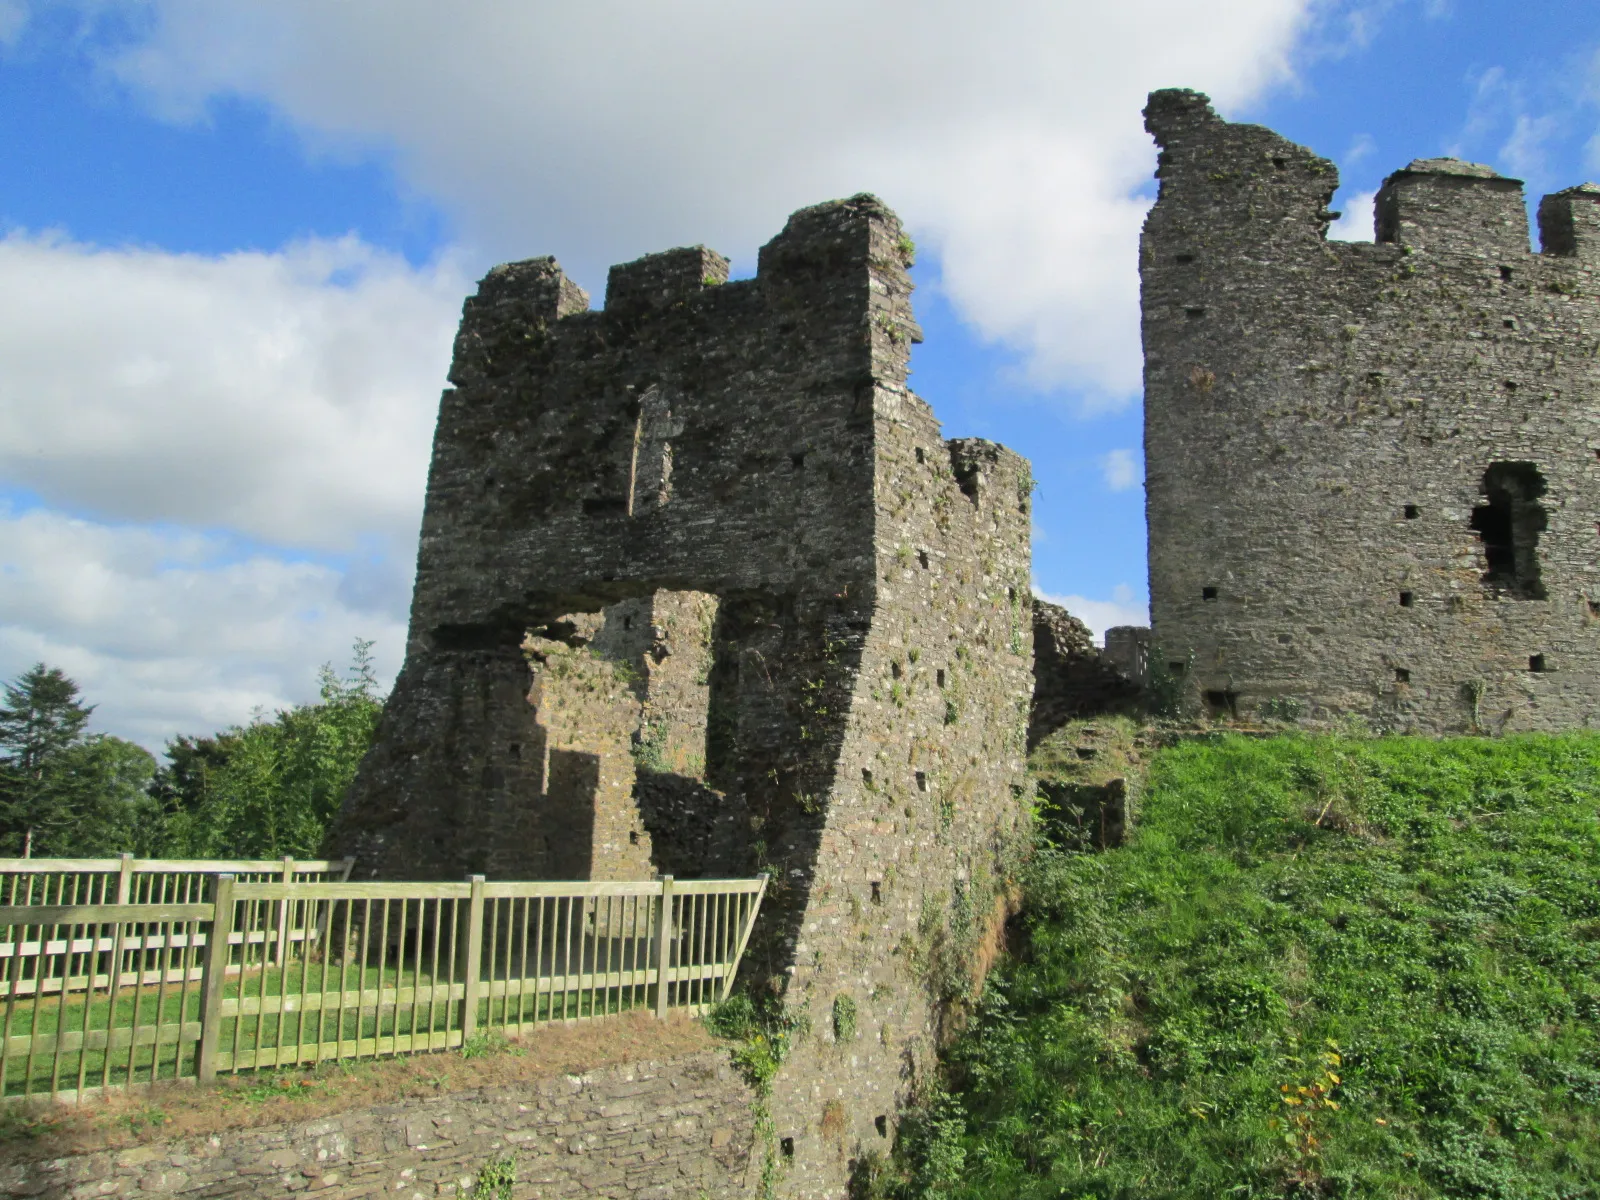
<point>657,280</point>
<point>1569,222</point>
<point>1445,204</point>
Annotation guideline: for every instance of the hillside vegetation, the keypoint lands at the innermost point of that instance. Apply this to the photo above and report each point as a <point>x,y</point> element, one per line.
<point>1320,967</point>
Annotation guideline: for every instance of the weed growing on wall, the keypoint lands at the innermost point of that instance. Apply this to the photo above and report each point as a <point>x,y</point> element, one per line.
<point>496,1179</point>
<point>1322,966</point>
<point>763,1037</point>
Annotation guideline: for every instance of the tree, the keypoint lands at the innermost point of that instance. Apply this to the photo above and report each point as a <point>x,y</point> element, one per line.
<point>64,791</point>
<point>271,787</point>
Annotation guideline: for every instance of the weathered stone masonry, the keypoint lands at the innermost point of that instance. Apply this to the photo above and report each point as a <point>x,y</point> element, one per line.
<point>652,1130</point>
<point>702,589</point>
<point>1373,470</point>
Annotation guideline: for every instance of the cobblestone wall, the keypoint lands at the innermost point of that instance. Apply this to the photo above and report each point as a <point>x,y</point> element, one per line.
<point>648,1131</point>
<point>1373,469</point>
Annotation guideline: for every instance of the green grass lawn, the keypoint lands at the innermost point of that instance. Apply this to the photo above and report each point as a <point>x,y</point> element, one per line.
<point>1320,967</point>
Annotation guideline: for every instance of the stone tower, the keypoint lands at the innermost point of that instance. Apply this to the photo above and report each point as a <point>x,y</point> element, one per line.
<point>1373,469</point>
<point>703,590</point>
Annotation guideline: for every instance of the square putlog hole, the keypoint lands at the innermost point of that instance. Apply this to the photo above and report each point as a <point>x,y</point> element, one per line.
<point>1536,664</point>
<point>1208,593</point>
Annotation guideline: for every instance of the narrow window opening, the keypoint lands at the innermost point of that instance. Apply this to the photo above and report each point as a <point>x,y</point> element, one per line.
<point>1505,273</point>
<point>1183,260</point>
<point>877,891</point>
<point>633,837</point>
<point>1401,675</point>
<point>1208,593</point>
<point>922,557</point>
<point>1222,703</point>
<point>1412,513</point>
<point>866,776</point>
<point>1407,599</point>
<point>1194,314</point>
<point>1509,526</point>
<point>787,1146</point>
<point>627,622</point>
<point>881,1124</point>
<point>798,460</point>
<point>938,676</point>
<point>1536,664</point>
<point>515,750</point>
<point>922,456</point>
<point>922,781</point>
<point>1011,595</point>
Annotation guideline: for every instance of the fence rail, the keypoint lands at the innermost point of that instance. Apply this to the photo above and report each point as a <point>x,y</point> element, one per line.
<point>130,880</point>
<point>270,974</point>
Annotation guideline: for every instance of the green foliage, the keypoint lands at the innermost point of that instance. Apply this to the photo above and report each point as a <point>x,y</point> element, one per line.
<point>270,788</point>
<point>1280,708</point>
<point>496,1179</point>
<point>65,792</point>
<point>764,1036</point>
<point>845,1016</point>
<point>1321,967</point>
<point>907,249</point>
<point>1165,690</point>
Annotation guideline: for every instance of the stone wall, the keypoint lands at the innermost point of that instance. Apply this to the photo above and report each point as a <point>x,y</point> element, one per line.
<point>647,1131</point>
<point>776,623</point>
<point>1071,677</point>
<point>1373,469</point>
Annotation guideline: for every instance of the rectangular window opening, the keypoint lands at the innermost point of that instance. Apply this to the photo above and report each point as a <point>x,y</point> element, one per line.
<point>1222,702</point>
<point>877,891</point>
<point>1407,599</point>
<point>1177,668</point>
<point>922,781</point>
<point>1536,664</point>
<point>938,676</point>
<point>881,1124</point>
<point>1411,512</point>
<point>1508,525</point>
<point>1401,675</point>
<point>1208,593</point>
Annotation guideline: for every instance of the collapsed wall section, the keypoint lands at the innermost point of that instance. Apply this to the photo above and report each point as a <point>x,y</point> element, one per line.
<point>1373,469</point>
<point>703,590</point>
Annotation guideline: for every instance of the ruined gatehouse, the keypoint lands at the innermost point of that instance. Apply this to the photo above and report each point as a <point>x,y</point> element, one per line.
<point>702,590</point>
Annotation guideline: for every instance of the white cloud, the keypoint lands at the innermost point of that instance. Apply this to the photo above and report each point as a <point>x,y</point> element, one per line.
<point>1355,224</point>
<point>1523,151</point>
<point>1100,615</point>
<point>287,396</point>
<point>1008,133</point>
<point>1120,470</point>
<point>171,631</point>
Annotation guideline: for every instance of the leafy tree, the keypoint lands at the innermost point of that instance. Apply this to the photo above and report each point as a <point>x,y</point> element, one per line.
<point>271,787</point>
<point>64,791</point>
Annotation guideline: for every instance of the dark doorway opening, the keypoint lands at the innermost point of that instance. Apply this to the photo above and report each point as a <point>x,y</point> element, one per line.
<point>1222,703</point>
<point>1509,525</point>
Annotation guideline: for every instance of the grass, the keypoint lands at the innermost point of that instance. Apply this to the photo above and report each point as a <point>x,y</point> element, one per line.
<point>1321,967</point>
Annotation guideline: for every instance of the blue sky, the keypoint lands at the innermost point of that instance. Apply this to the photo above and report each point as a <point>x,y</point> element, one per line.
<point>236,235</point>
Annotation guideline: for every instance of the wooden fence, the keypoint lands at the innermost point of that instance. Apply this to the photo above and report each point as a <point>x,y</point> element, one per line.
<point>130,880</point>
<point>269,974</point>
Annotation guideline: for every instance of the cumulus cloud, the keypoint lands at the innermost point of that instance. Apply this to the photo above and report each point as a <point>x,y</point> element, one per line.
<point>173,631</point>
<point>1100,615</point>
<point>1007,133</point>
<point>286,396</point>
<point>1355,222</point>
<point>1120,470</point>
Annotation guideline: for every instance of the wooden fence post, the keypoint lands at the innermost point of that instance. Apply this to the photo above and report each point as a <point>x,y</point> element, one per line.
<point>216,969</point>
<point>663,942</point>
<point>124,878</point>
<point>283,916</point>
<point>469,1002</point>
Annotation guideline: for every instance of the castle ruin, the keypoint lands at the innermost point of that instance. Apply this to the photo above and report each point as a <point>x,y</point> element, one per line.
<point>702,590</point>
<point>1372,469</point>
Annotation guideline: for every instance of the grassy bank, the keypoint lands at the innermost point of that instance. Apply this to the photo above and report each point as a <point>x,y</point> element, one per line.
<point>1321,967</point>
